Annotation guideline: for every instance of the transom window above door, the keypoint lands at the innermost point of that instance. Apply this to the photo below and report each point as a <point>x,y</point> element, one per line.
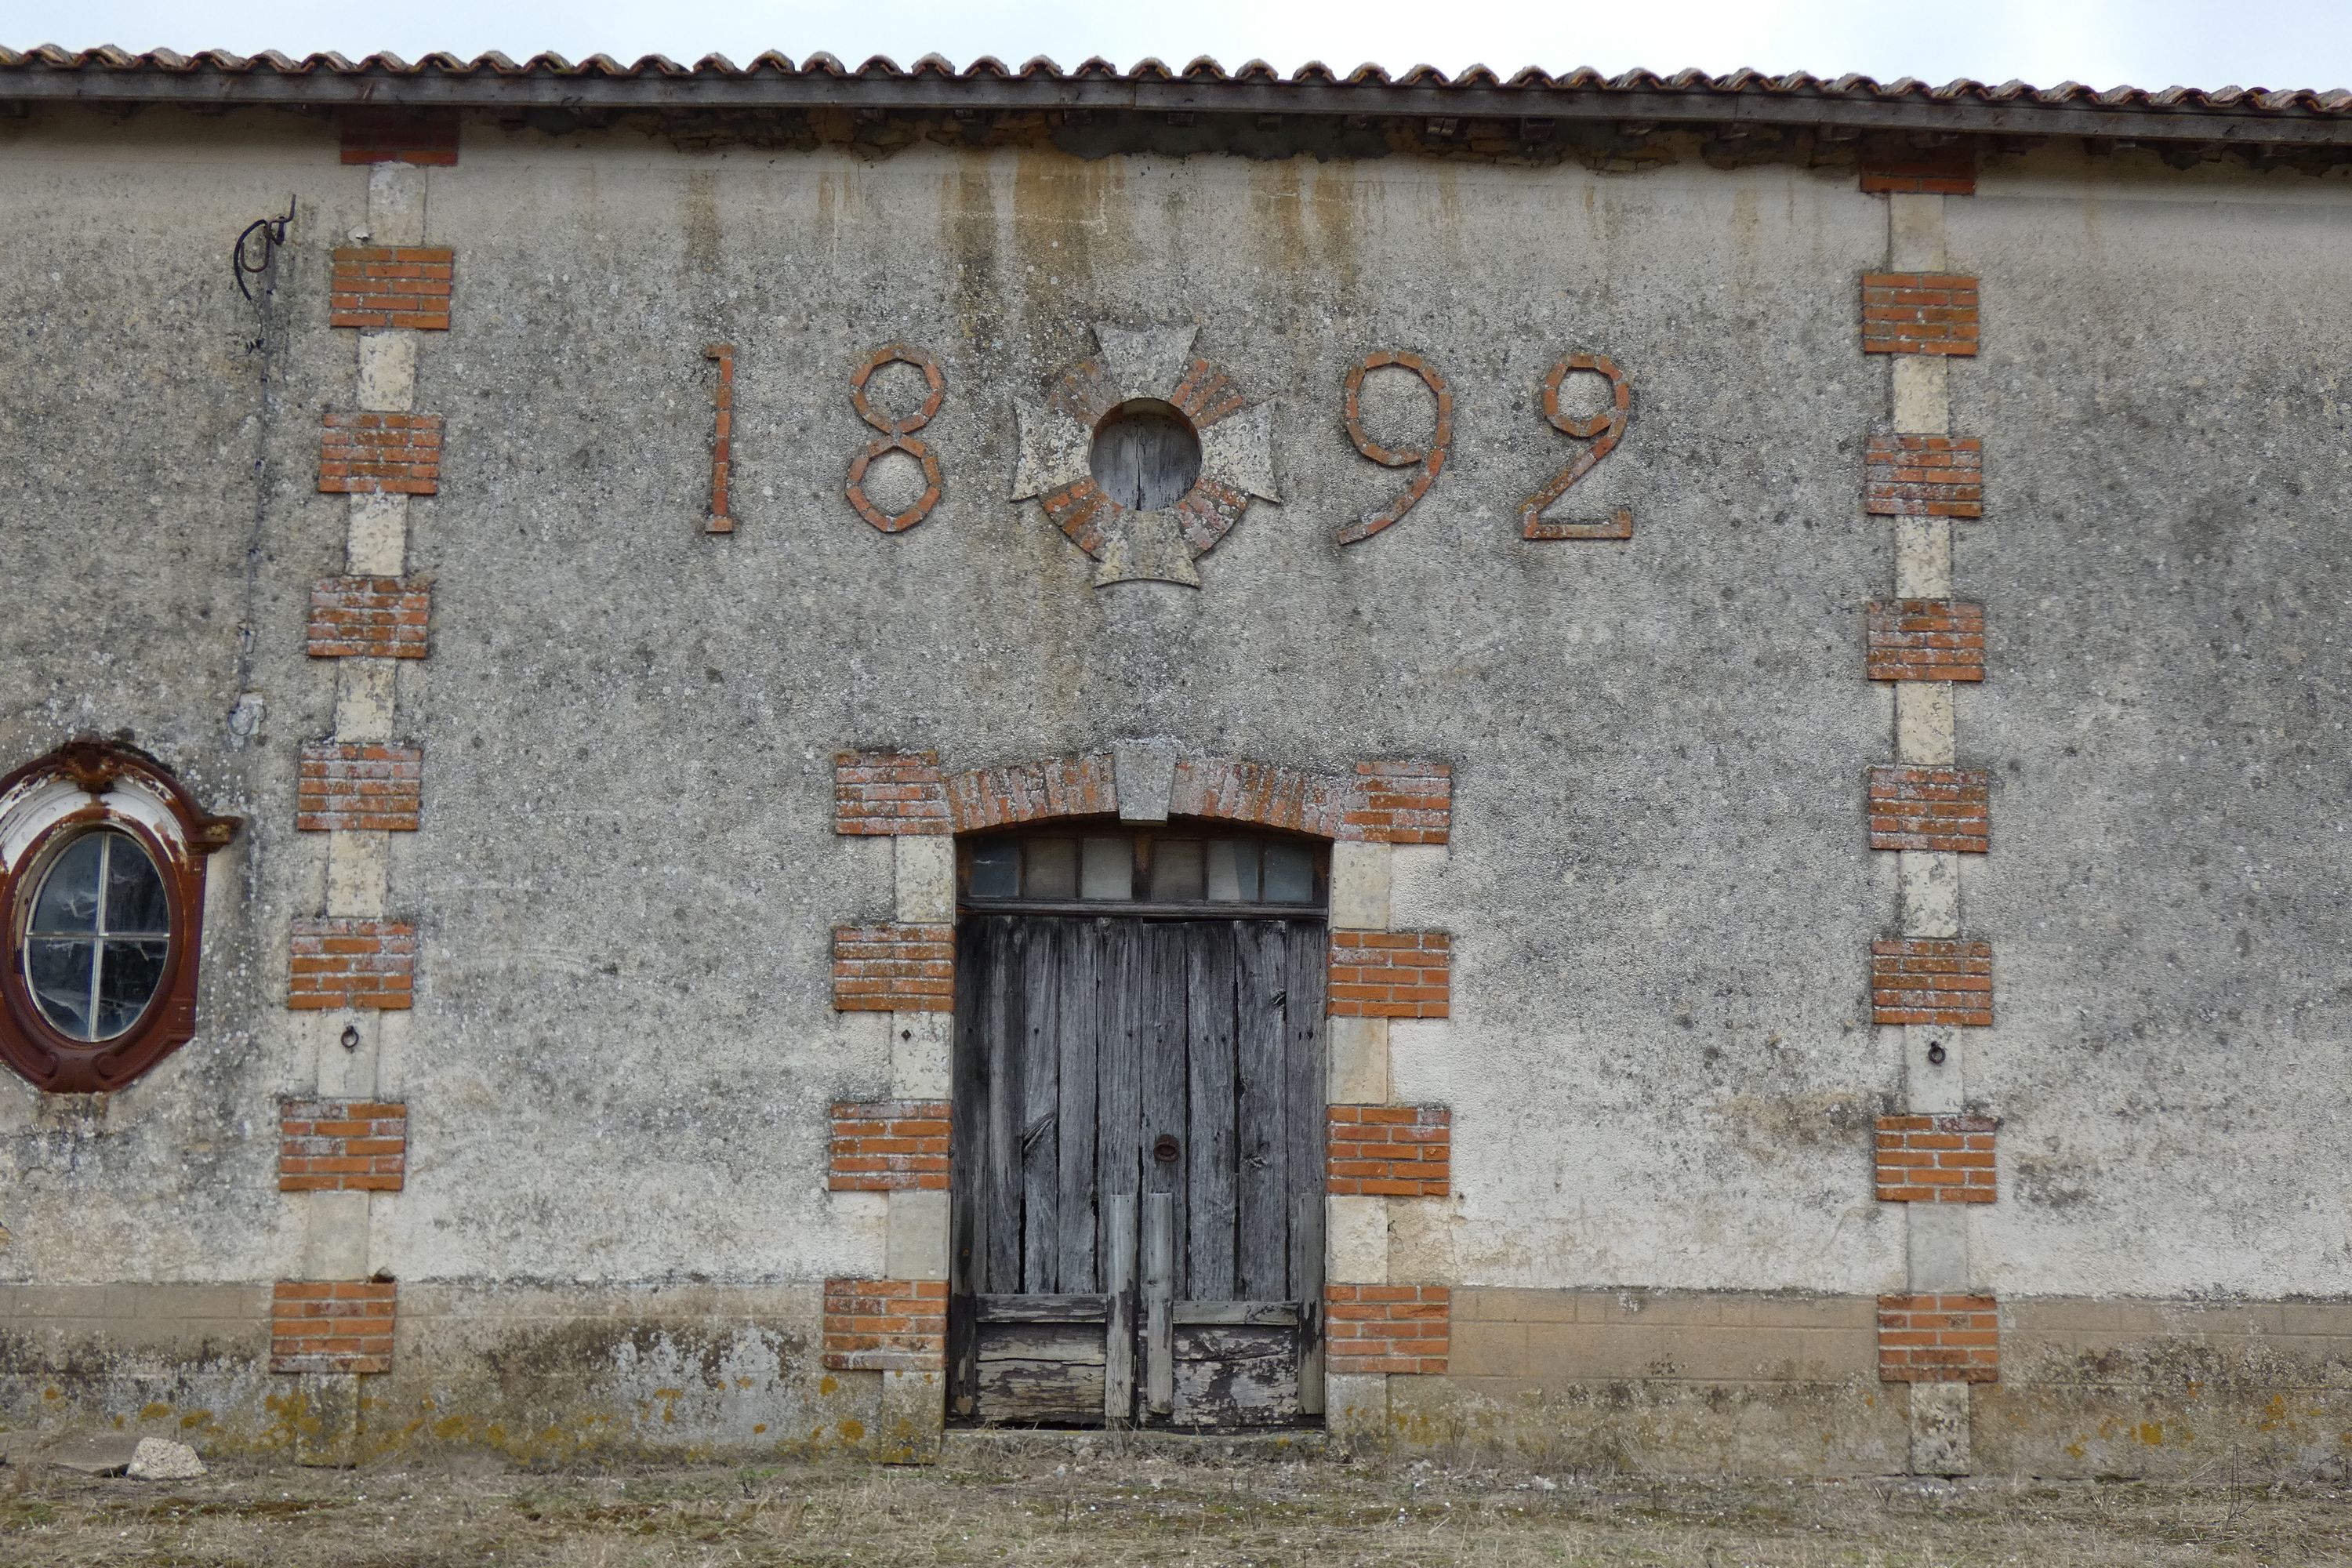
<point>1177,869</point>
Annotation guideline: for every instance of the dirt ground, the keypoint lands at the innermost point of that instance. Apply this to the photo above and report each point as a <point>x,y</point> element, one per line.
<point>1109,1509</point>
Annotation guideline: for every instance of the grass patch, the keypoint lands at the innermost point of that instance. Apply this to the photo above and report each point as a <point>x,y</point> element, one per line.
<point>1151,1509</point>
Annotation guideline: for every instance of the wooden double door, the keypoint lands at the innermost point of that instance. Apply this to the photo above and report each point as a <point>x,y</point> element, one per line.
<point>1138,1172</point>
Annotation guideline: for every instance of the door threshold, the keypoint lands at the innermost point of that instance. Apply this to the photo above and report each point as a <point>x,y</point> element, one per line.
<point>980,1444</point>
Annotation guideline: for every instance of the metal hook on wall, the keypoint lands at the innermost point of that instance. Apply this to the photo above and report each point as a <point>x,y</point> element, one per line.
<point>272,231</point>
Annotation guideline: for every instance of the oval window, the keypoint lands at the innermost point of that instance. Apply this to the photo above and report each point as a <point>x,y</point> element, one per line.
<point>98,936</point>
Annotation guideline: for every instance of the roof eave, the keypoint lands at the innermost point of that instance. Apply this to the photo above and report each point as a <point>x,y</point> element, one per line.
<point>379,89</point>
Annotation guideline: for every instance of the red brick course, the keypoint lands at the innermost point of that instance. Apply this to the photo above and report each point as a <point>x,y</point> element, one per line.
<point>342,1146</point>
<point>1079,509</point>
<point>1931,980</point>
<point>1927,639</point>
<point>1389,1151</point>
<point>1938,1339</point>
<point>889,792</point>
<point>369,618</point>
<point>885,792</point>
<point>340,1325</point>
<point>378,286</point>
<point>423,136</point>
<point>1401,803</point>
<point>1029,792</point>
<point>889,1146</point>
<point>886,1325</point>
<point>1948,171</point>
<point>1919,313</point>
<point>1266,794</point>
<point>1924,475</point>
<point>1206,394</point>
<point>359,786</point>
<point>1934,1159</point>
<point>1939,808</point>
<point>396,453</point>
<point>894,968</point>
<point>1387,1328</point>
<point>1390,975</point>
<point>341,961</point>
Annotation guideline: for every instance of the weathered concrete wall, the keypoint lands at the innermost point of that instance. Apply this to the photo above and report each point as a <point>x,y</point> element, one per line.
<point>2168,455</point>
<point>1558,677</point>
<point>1660,1062</point>
<point>543,1375</point>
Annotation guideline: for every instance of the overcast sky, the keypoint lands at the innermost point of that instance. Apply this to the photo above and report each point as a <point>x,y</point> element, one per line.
<point>2145,43</point>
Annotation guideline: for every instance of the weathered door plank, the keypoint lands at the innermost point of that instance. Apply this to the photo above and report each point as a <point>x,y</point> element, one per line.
<point>1162,1040</point>
<point>1039,983</point>
<point>1078,1032</point>
<point>1209,1273</point>
<point>1263,1242</point>
<point>1005,959</point>
<point>1308,1222</point>
<point>1159,1302</point>
<point>1040,1372</point>
<point>1236,1376</point>
<point>1085,1307</point>
<point>1266,1314</point>
<point>1119,1336</point>
<point>1118,1073</point>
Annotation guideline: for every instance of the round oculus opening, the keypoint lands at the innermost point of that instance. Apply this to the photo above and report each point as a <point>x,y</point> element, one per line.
<point>97,936</point>
<point>1145,455</point>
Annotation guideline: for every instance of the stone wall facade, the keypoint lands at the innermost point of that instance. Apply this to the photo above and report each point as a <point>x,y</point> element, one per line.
<point>1651,576</point>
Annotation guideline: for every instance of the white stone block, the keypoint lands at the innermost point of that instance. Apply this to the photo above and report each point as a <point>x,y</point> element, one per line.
<point>377,543</point>
<point>1359,1051</point>
<point>1143,775</point>
<point>922,1055</point>
<point>1929,1085</point>
<point>865,1219</point>
<point>1922,404</point>
<point>1931,892</point>
<point>1356,1407</point>
<point>1936,1238</point>
<point>1923,721</point>
<point>364,698</point>
<point>1940,1428</point>
<point>1915,233</point>
<point>161,1459</point>
<point>1420,1241</point>
<point>1359,886</point>
<point>923,866</point>
<point>913,1413</point>
<point>395,204</point>
<point>387,380</point>
<point>916,1245</point>
<point>334,1236</point>
<point>347,1072</point>
<point>1923,557</point>
<point>358,872</point>
<point>1357,1249</point>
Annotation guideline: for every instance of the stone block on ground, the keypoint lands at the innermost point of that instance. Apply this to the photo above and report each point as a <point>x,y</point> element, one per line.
<point>162,1459</point>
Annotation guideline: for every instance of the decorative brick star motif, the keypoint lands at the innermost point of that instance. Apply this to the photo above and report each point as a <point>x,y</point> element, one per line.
<point>1057,438</point>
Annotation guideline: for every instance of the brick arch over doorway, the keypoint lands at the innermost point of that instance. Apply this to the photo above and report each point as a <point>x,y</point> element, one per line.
<point>909,793</point>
